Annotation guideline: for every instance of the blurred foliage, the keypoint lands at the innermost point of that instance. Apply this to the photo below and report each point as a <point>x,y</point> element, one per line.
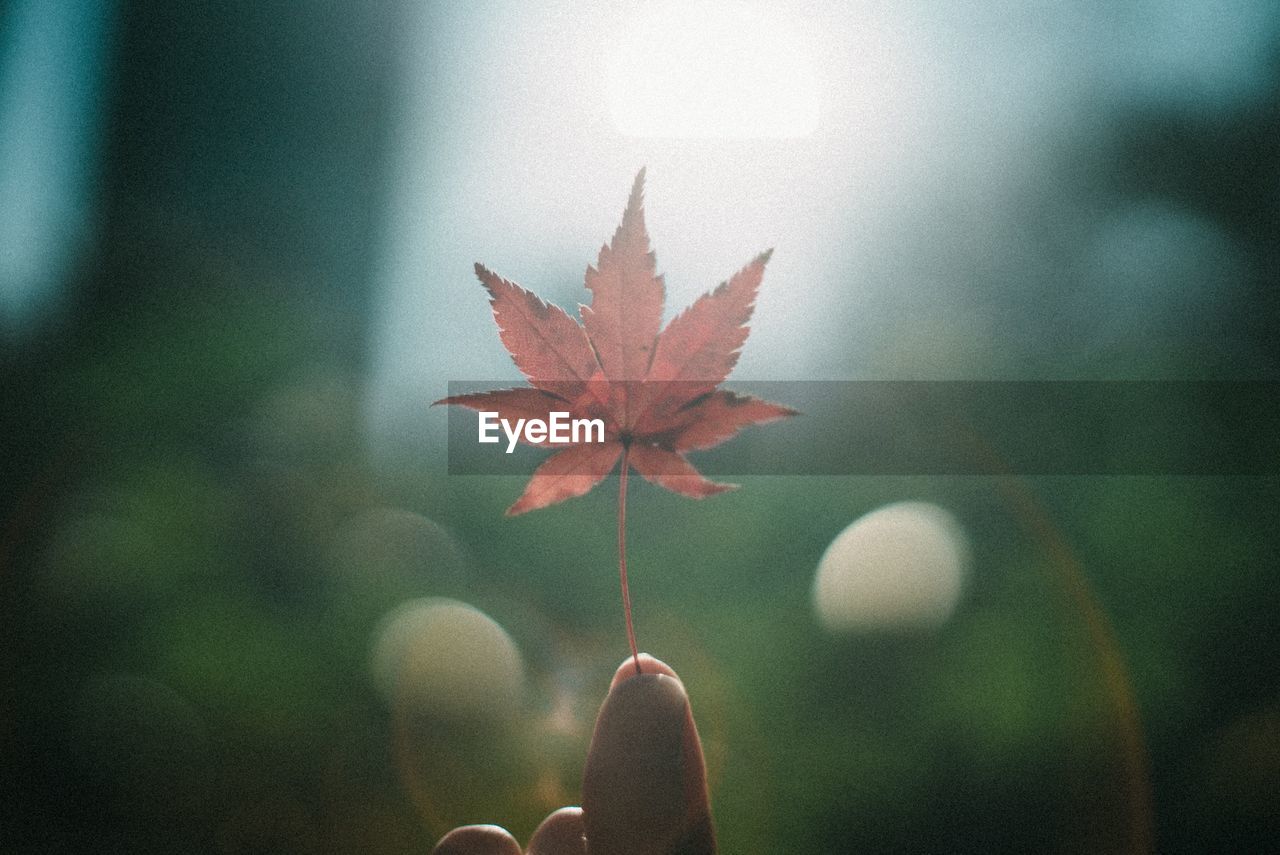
<point>208,558</point>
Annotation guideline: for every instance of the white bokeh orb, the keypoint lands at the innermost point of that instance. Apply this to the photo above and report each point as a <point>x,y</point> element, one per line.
<point>444,658</point>
<point>900,566</point>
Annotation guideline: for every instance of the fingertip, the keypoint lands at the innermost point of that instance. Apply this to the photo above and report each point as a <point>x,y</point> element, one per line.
<point>648,665</point>
<point>561,833</point>
<point>477,840</point>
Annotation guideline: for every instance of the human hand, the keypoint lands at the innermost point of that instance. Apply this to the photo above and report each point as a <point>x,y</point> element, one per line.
<point>644,788</point>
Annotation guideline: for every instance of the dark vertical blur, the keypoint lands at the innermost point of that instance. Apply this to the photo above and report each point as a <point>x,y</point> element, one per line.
<point>249,134</point>
<point>239,169</point>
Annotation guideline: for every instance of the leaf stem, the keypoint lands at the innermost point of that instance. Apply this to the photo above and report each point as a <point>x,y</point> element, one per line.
<point>622,554</point>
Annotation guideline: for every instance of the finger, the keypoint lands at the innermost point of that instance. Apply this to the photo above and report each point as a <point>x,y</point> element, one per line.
<point>644,790</point>
<point>477,840</point>
<point>562,833</point>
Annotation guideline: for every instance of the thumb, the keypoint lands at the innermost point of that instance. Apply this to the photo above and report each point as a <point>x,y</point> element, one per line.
<point>644,789</point>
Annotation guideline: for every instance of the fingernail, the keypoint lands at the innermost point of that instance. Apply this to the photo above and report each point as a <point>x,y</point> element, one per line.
<point>648,665</point>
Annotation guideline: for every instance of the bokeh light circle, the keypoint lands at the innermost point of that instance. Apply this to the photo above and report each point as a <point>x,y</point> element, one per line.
<point>444,658</point>
<point>900,566</point>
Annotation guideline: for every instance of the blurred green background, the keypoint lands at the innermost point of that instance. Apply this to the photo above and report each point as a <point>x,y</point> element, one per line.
<point>236,243</point>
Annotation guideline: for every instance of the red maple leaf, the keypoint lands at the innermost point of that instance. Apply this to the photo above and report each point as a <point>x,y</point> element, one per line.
<point>653,388</point>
